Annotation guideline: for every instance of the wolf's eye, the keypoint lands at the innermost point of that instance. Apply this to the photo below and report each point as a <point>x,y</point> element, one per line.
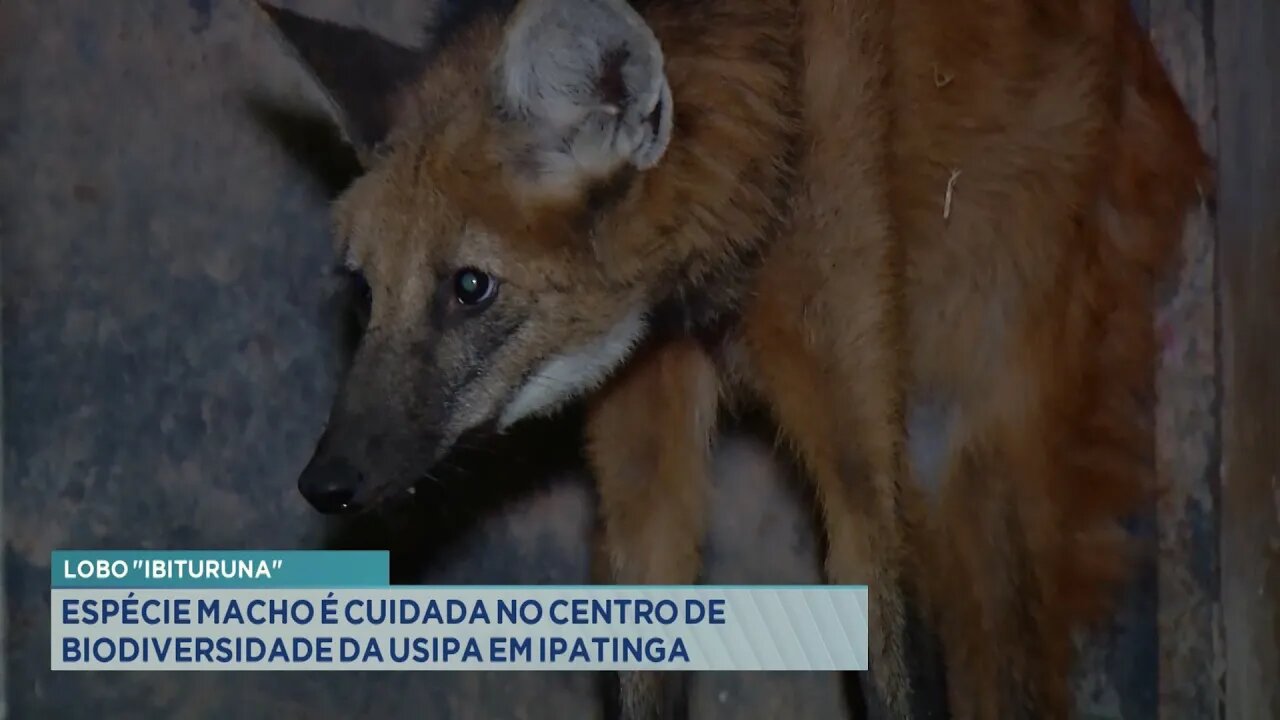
<point>473,287</point>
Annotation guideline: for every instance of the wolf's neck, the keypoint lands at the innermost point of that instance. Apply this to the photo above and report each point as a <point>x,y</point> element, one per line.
<point>707,211</point>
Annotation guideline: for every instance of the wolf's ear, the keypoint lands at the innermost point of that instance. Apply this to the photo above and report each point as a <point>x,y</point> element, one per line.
<point>583,86</point>
<point>361,73</point>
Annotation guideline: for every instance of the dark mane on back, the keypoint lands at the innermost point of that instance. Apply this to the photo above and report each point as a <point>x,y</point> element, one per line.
<point>449,19</point>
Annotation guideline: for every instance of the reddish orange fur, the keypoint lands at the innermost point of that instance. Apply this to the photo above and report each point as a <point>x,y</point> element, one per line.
<point>960,202</point>
<point>1055,438</point>
<point>663,464</point>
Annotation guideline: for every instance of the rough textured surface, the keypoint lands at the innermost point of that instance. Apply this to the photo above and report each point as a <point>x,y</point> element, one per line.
<point>1248,61</point>
<point>171,337</point>
<point>1188,444</point>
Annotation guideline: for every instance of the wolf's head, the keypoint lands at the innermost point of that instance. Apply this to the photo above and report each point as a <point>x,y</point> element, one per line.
<point>521,212</point>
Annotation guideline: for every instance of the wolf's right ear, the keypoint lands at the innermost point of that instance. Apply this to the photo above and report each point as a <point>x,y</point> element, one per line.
<point>361,73</point>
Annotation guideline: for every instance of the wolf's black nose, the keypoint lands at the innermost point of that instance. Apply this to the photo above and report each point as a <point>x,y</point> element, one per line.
<point>330,484</point>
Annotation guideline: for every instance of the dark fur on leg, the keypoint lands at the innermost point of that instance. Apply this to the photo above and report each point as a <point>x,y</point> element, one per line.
<point>645,695</point>
<point>926,669</point>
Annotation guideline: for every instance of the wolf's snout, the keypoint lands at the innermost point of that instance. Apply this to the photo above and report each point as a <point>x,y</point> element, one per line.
<point>330,484</point>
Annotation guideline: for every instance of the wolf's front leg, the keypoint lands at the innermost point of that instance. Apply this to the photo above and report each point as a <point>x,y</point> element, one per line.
<point>648,442</point>
<point>826,359</point>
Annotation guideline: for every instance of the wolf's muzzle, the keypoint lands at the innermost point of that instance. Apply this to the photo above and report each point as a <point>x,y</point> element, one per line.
<point>331,483</point>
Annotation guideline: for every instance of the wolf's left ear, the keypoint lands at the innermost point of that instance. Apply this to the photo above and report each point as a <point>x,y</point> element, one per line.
<point>361,73</point>
<point>583,84</point>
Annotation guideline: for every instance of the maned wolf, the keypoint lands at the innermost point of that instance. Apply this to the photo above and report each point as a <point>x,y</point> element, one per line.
<point>923,234</point>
